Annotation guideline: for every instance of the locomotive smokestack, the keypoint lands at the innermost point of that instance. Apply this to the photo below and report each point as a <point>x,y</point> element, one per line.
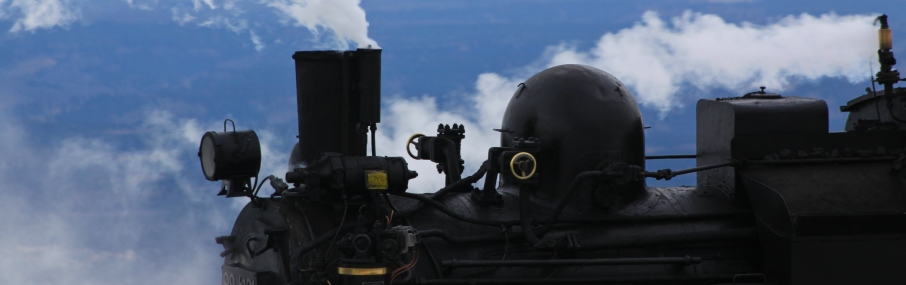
<point>338,95</point>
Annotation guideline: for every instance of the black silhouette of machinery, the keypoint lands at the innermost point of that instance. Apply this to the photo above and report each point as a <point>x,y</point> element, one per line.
<point>778,200</point>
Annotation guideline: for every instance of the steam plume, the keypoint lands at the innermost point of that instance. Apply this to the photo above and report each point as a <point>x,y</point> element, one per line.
<point>344,17</point>
<point>344,20</point>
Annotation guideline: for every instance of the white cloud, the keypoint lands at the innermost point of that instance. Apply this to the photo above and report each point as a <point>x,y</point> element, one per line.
<point>209,3</point>
<point>88,211</point>
<point>256,40</point>
<point>142,6</point>
<point>38,14</point>
<point>181,17</point>
<point>656,59</point>
<point>232,24</point>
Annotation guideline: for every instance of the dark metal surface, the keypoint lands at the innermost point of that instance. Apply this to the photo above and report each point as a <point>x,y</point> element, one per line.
<point>657,225</point>
<point>782,147</point>
<point>248,237</point>
<point>338,97</point>
<point>871,112</point>
<point>719,121</point>
<point>592,280</point>
<point>609,220</point>
<point>671,239</point>
<point>687,260</point>
<point>582,116</point>
<point>798,205</point>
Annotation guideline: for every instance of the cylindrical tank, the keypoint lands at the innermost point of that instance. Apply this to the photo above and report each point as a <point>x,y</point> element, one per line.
<point>584,117</point>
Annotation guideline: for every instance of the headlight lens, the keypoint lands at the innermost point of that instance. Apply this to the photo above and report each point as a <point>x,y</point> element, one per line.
<point>206,153</point>
<point>229,155</point>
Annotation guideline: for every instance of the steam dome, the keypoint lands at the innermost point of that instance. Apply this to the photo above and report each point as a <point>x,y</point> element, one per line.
<point>584,117</point>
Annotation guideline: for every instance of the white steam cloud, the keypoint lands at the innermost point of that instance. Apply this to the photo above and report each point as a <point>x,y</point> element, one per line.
<point>31,15</point>
<point>342,20</point>
<point>344,17</point>
<point>658,60</point>
<point>88,212</point>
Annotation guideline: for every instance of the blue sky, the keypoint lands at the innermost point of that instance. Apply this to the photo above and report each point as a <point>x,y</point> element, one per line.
<point>103,103</point>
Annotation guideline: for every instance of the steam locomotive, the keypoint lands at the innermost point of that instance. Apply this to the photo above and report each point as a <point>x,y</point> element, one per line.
<point>778,200</point>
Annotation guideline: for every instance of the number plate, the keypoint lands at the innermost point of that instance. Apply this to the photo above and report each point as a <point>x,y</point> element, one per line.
<point>237,276</point>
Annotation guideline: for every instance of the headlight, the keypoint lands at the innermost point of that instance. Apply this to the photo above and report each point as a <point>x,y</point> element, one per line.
<point>229,155</point>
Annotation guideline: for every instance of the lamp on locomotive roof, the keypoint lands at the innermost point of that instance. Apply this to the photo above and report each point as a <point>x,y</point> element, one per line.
<point>232,157</point>
<point>885,38</point>
<point>887,76</point>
